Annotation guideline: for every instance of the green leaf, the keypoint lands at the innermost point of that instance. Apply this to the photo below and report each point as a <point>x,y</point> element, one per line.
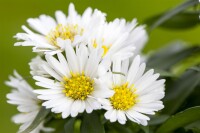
<point>57,124</point>
<point>180,119</point>
<point>156,120</point>
<point>91,124</point>
<point>163,73</point>
<point>129,127</point>
<point>195,68</point>
<point>38,119</point>
<point>77,126</point>
<point>180,21</point>
<point>180,90</point>
<point>173,12</point>
<point>69,126</point>
<point>188,63</point>
<point>195,130</point>
<point>167,57</point>
<point>145,129</point>
<point>193,125</point>
<point>118,128</point>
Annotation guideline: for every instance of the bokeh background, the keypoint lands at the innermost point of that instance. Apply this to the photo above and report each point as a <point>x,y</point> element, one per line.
<point>14,13</point>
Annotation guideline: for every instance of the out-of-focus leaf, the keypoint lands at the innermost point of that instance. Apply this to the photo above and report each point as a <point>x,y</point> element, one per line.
<point>180,119</point>
<point>189,62</point>
<point>195,68</point>
<point>164,73</point>
<point>156,120</point>
<point>38,119</point>
<point>129,127</point>
<point>133,126</point>
<point>69,126</point>
<point>195,130</point>
<point>91,124</point>
<point>57,124</point>
<point>193,126</point>
<point>145,129</point>
<point>173,12</point>
<point>77,126</point>
<point>179,21</point>
<point>168,57</point>
<point>180,90</point>
<point>118,128</point>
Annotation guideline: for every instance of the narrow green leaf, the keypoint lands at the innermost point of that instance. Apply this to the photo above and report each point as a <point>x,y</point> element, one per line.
<point>195,68</point>
<point>167,57</point>
<point>164,73</point>
<point>91,124</point>
<point>173,12</point>
<point>180,21</point>
<point>180,119</point>
<point>188,63</point>
<point>38,119</point>
<point>145,129</point>
<point>69,126</point>
<point>180,90</point>
<point>156,120</point>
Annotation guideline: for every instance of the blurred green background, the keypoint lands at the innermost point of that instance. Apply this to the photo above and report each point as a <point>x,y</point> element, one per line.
<point>13,14</point>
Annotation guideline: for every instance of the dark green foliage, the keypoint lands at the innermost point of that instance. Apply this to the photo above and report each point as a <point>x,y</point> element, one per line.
<point>91,123</point>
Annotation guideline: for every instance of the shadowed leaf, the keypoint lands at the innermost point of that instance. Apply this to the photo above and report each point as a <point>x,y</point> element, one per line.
<point>91,124</point>
<point>180,119</point>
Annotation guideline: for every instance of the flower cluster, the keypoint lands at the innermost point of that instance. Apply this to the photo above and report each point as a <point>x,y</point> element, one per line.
<point>85,63</point>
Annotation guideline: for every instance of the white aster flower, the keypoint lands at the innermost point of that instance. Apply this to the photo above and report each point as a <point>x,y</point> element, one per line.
<point>22,95</point>
<point>136,93</point>
<point>74,27</point>
<point>77,84</point>
<point>36,67</point>
<point>119,38</point>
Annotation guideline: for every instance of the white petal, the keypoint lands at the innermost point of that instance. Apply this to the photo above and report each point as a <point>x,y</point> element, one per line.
<point>76,106</point>
<point>71,58</point>
<point>61,18</point>
<point>133,70</point>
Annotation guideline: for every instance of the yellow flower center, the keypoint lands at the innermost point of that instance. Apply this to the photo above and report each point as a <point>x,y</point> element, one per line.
<point>78,87</point>
<point>124,98</point>
<point>64,32</point>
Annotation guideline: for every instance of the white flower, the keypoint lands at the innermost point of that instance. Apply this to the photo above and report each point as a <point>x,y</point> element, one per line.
<point>77,84</point>
<point>36,67</point>
<point>136,93</point>
<point>74,27</point>
<point>119,38</point>
<point>22,95</point>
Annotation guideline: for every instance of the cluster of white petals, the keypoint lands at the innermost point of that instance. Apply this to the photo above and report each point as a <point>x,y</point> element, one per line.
<point>83,64</point>
<point>27,103</point>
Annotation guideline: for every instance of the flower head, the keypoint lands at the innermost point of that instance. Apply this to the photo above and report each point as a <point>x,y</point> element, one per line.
<point>22,95</point>
<point>116,38</point>
<point>74,27</point>
<point>119,39</point>
<point>77,84</point>
<point>136,93</point>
